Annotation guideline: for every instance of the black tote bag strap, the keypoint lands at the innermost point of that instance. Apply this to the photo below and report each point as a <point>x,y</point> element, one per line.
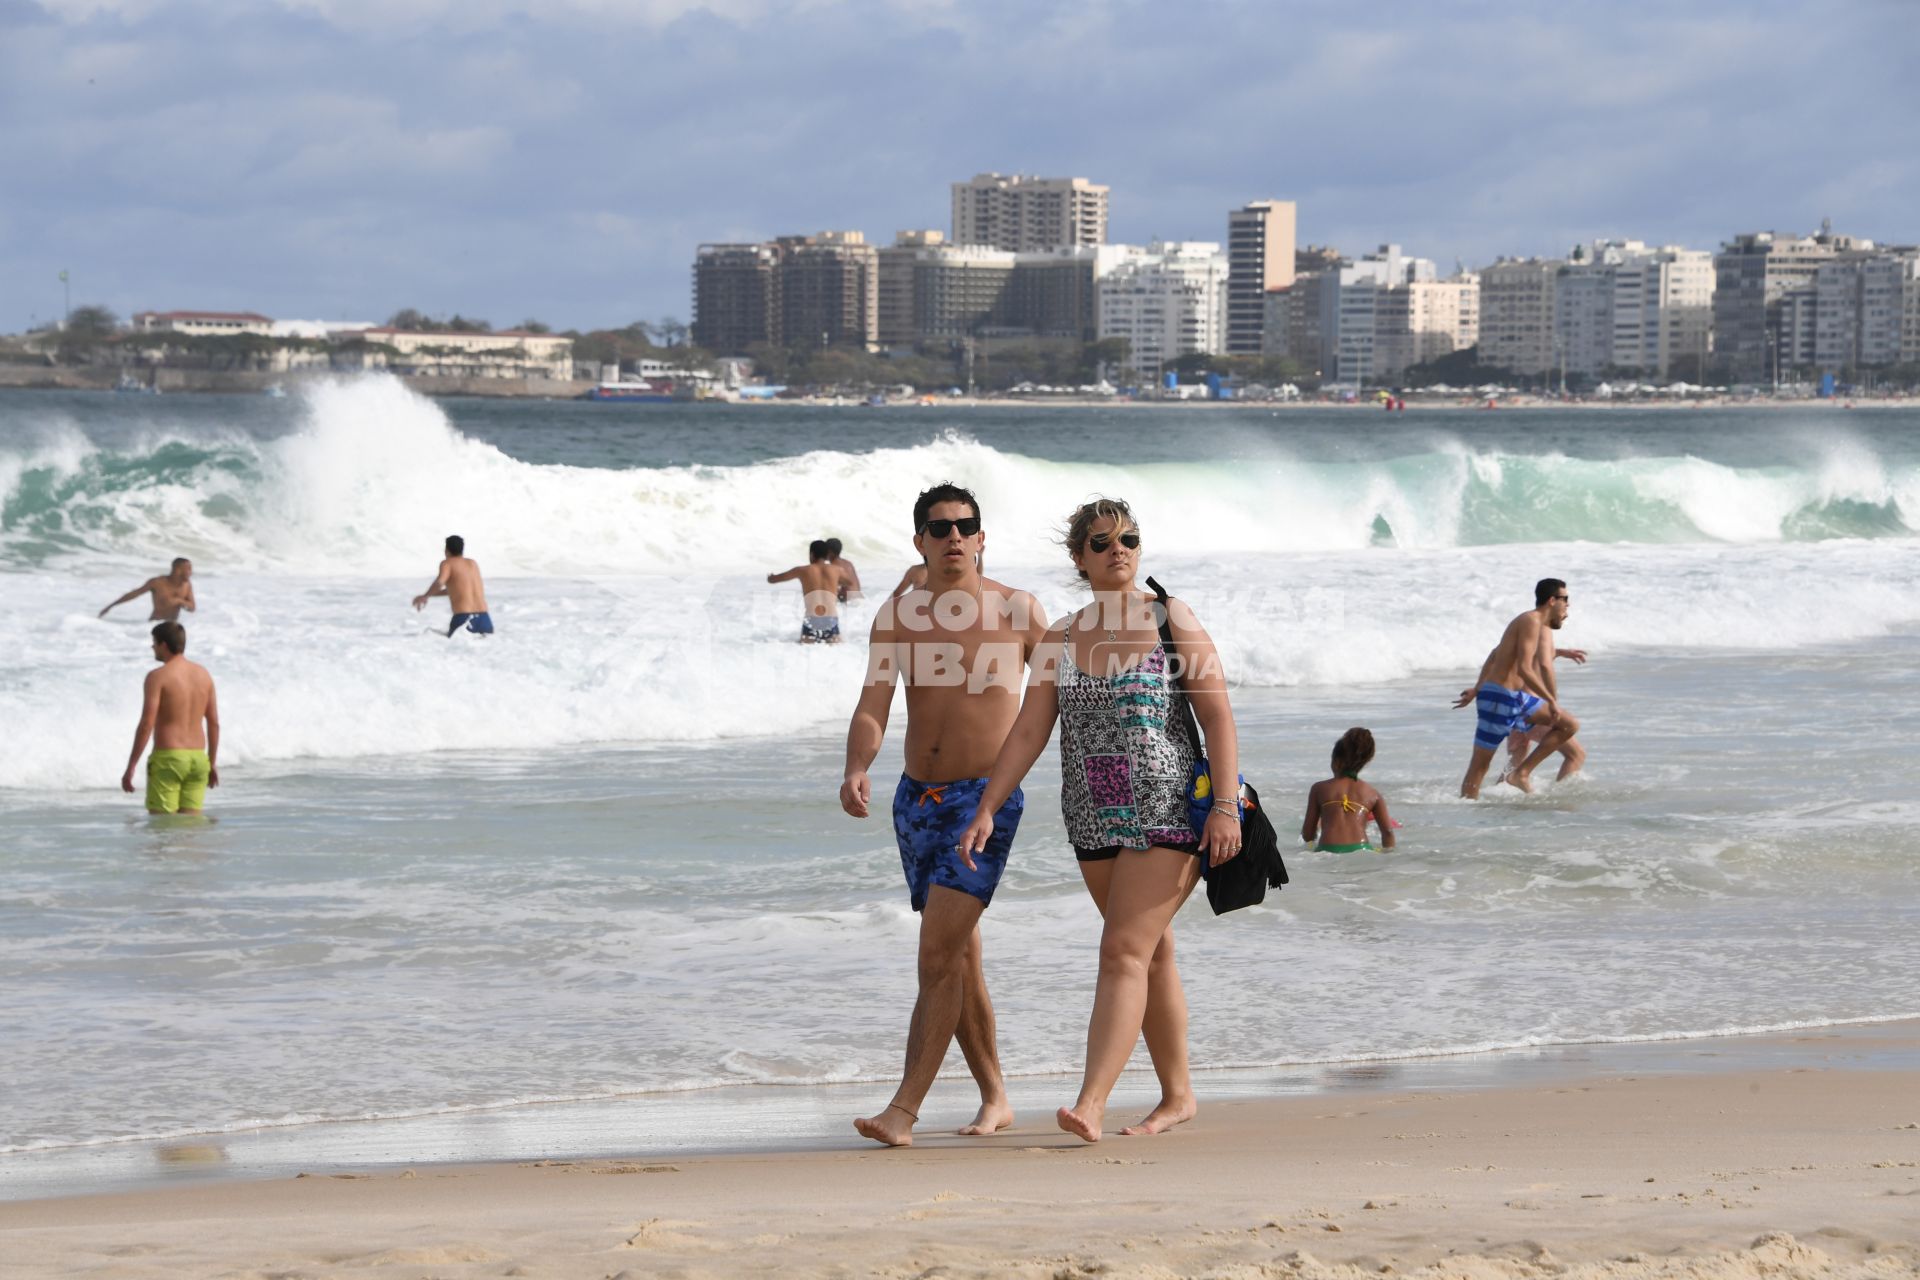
<point>1164,617</point>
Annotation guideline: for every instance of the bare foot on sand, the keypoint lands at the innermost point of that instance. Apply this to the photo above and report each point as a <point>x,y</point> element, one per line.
<point>991,1118</point>
<point>1087,1129</point>
<point>1164,1117</point>
<point>893,1127</point>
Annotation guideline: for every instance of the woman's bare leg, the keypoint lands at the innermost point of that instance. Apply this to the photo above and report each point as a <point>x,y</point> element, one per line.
<point>1165,1027</point>
<point>1144,890</point>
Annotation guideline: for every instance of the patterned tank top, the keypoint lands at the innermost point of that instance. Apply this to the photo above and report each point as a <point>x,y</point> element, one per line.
<point>1124,758</point>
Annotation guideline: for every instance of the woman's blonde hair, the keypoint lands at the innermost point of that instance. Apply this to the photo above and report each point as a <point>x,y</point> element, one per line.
<point>1090,513</point>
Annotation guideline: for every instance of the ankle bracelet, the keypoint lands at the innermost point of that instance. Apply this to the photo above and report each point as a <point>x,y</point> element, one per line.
<point>910,1115</point>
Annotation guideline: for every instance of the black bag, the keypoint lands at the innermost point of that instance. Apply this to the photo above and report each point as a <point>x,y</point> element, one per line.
<point>1242,880</point>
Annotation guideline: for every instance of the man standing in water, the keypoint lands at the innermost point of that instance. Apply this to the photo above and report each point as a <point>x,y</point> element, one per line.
<point>822,586</point>
<point>850,577</point>
<point>181,716</point>
<point>459,581</point>
<point>961,643</point>
<point>170,594</point>
<point>1517,690</point>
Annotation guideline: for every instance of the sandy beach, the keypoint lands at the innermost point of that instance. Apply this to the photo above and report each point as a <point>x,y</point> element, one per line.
<point>1784,1173</point>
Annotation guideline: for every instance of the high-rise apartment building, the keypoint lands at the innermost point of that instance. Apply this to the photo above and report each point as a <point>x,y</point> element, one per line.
<point>1860,310</point>
<point>1260,248</point>
<point>796,290</point>
<point>1517,314</point>
<point>1024,214</point>
<point>1662,311</point>
<point>1764,303</point>
<point>736,297</point>
<point>932,291</point>
<point>1303,321</point>
<point>1167,302</point>
<point>829,290</point>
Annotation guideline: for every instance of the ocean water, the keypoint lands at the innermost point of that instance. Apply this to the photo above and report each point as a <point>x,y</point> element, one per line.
<point>600,855</point>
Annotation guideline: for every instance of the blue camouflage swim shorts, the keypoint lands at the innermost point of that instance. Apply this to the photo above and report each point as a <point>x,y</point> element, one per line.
<point>928,819</point>
<point>1501,711</point>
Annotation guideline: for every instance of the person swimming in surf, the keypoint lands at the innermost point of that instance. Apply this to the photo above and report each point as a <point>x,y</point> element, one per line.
<point>171,593</point>
<point>822,584</point>
<point>850,577</point>
<point>1339,808</point>
<point>1517,690</point>
<point>459,581</point>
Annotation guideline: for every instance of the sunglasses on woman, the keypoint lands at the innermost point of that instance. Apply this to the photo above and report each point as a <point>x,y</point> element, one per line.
<point>1099,542</point>
<point>968,526</point>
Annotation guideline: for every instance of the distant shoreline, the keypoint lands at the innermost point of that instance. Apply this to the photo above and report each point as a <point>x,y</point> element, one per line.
<point>211,382</point>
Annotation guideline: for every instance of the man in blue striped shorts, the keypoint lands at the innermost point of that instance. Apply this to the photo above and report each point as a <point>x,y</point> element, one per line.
<point>1517,691</point>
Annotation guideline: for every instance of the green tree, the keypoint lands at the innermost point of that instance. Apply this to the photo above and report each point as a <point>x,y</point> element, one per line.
<point>88,329</point>
<point>534,326</point>
<point>409,320</point>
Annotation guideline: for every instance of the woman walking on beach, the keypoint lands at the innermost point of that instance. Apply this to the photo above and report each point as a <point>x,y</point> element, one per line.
<point>1125,763</point>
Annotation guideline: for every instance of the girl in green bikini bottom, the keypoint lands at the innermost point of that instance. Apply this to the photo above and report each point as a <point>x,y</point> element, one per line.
<point>1339,808</point>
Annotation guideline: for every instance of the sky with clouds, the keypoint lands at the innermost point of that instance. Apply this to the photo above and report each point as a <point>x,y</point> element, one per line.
<point>560,159</point>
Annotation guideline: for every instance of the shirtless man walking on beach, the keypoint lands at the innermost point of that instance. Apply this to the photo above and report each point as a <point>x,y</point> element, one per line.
<point>180,714</point>
<point>459,581</point>
<point>823,584</point>
<point>962,644</point>
<point>171,593</point>
<point>1517,690</point>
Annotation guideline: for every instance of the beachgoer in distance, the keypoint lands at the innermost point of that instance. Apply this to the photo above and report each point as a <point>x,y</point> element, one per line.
<point>1125,764</point>
<point>1516,689</point>
<point>850,577</point>
<point>171,593</point>
<point>961,645</point>
<point>459,581</point>
<point>914,579</point>
<point>1339,808</point>
<point>179,712</point>
<point>821,584</point>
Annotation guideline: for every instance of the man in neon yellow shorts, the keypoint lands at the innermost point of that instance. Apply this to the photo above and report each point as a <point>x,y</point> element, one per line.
<point>182,717</point>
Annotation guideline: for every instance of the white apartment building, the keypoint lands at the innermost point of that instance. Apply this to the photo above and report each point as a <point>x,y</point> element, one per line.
<point>1663,310</point>
<point>508,353</point>
<point>1517,306</point>
<point>1167,302</point>
<point>1373,338</point>
<point>1861,310</point>
<point>1021,214</point>
<point>1260,247</point>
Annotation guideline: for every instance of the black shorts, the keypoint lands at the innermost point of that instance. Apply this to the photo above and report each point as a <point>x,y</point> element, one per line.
<point>1113,850</point>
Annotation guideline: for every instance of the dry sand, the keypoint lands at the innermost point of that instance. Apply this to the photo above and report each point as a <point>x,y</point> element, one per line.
<point>1768,1173</point>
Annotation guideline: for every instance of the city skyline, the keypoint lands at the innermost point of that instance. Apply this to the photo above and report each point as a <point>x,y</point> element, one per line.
<point>337,158</point>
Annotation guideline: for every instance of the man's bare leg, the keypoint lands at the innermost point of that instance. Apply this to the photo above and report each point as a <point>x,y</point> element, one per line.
<point>946,923</point>
<point>1476,772</point>
<point>981,1048</point>
<point>1557,737</point>
<point>1165,1026</point>
<point>1572,756</point>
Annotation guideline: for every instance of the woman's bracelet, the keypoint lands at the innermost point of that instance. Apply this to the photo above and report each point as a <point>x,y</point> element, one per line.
<point>1216,807</point>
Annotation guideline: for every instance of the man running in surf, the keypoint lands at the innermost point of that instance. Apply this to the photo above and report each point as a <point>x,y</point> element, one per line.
<point>1517,691</point>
